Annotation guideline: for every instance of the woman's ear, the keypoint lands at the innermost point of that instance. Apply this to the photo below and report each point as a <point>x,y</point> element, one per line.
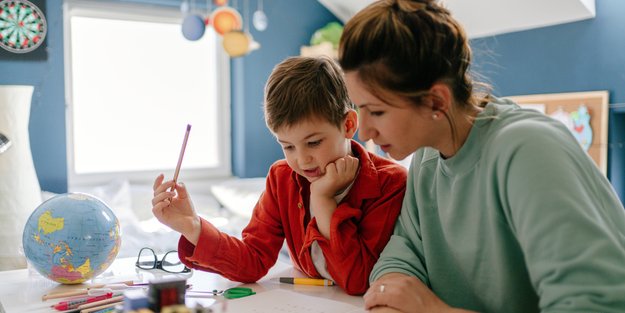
<point>441,97</point>
<point>351,124</point>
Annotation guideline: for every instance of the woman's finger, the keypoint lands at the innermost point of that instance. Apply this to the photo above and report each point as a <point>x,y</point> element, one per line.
<point>376,296</point>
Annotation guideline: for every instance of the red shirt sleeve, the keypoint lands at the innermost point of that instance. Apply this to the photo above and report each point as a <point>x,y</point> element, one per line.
<point>358,235</point>
<point>245,260</point>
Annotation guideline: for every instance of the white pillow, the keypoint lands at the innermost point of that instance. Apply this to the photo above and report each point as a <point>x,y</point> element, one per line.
<point>239,195</point>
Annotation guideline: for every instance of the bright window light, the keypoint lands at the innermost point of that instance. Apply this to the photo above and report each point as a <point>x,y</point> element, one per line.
<point>134,83</point>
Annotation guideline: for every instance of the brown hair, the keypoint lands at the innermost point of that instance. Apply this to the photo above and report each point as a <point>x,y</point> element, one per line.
<point>301,88</point>
<point>404,47</point>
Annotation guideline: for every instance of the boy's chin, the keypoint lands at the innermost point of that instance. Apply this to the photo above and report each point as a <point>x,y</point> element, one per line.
<point>311,179</point>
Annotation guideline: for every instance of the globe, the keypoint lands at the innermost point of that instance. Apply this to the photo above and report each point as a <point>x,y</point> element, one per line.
<point>71,238</point>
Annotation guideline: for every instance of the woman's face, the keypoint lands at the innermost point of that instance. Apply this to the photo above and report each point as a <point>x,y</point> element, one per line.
<point>399,129</point>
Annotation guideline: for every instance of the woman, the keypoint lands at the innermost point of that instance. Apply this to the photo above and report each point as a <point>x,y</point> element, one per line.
<point>503,212</point>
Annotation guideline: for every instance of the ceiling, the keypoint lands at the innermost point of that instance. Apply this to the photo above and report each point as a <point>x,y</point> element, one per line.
<point>483,18</point>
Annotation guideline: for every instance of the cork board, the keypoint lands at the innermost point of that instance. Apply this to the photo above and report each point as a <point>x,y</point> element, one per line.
<point>596,103</point>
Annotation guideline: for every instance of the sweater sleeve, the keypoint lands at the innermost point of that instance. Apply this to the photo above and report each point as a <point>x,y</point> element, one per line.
<point>358,234</point>
<point>245,260</point>
<point>567,220</point>
<point>404,251</point>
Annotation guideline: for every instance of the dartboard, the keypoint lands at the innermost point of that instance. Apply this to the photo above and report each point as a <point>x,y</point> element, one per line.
<point>22,26</point>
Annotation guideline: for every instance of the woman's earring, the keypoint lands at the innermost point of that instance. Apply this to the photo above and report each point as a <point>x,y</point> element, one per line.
<point>435,116</point>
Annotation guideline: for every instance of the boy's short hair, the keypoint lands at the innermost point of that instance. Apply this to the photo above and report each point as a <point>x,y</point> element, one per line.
<point>303,88</point>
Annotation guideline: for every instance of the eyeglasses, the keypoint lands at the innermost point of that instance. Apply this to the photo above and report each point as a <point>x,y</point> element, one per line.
<point>170,262</point>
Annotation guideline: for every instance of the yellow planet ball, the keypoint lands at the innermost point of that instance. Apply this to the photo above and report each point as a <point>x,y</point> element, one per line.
<point>236,43</point>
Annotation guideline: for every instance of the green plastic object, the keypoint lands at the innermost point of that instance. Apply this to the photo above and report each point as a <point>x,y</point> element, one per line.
<point>330,33</point>
<point>235,293</point>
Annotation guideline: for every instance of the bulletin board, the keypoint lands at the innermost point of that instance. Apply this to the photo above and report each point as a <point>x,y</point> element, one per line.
<point>596,103</point>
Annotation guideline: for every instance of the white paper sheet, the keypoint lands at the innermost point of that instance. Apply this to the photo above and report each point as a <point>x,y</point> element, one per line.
<point>281,301</point>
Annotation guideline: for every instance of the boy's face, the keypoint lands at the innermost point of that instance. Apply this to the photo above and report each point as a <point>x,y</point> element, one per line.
<point>310,145</point>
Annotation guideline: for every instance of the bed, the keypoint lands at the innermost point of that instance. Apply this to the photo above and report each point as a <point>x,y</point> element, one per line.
<point>228,204</point>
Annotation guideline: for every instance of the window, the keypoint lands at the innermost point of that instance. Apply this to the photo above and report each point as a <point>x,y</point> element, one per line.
<point>133,83</point>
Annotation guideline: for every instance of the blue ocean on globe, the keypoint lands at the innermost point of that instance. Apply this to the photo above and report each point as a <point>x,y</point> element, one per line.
<point>71,238</point>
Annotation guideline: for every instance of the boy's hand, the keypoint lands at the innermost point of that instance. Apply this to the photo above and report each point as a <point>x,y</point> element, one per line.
<point>338,175</point>
<point>175,209</point>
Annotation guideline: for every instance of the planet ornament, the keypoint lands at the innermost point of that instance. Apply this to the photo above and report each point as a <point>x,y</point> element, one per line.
<point>226,19</point>
<point>236,43</point>
<point>193,27</point>
<point>22,26</point>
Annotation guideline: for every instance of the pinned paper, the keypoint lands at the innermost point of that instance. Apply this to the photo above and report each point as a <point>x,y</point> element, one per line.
<point>581,126</point>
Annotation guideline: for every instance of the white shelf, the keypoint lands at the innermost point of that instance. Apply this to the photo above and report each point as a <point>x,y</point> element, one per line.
<point>483,18</point>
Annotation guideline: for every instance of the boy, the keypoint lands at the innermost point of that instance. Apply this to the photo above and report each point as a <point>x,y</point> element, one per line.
<point>334,202</point>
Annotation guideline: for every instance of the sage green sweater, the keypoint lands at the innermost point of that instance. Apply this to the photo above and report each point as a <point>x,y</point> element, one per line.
<point>519,220</point>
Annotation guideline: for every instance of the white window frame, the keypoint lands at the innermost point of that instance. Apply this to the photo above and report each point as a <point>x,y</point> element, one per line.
<point>148,13</point>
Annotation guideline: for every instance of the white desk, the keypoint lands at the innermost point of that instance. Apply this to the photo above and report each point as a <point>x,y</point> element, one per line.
<point>21,290</point>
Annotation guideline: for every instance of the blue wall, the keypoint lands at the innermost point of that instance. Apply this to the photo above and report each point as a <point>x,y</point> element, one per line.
<point>582,56</point>
<point>291,23</point>
<point>47,115</point>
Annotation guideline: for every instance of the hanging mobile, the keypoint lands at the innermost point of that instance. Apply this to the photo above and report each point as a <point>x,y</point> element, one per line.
<point>23,26</point>
<point>193,26</point>
<point>259,18</point>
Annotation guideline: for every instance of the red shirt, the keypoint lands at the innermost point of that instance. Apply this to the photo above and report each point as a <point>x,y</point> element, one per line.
<point>359,229</point>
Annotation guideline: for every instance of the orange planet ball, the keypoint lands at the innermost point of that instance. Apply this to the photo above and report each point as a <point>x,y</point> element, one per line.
<point>226,19</point>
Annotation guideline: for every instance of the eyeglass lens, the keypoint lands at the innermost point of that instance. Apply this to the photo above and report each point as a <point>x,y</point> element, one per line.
<point>147,259</point>
<point>170,263</point>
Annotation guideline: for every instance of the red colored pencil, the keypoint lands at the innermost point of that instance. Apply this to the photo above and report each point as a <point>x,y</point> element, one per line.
<point>72,304</point>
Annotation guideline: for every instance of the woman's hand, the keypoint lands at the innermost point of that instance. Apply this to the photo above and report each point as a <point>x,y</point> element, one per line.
<point>403,293</point>
<point>175,209</point>
<point>383,309</point>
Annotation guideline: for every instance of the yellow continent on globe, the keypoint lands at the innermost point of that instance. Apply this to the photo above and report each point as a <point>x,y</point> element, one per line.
<point>84,270</point>
<point>49,224</point>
